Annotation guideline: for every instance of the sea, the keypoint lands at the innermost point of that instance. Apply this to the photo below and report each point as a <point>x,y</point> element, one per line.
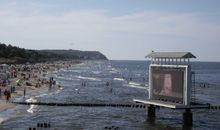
<point>112,82</point>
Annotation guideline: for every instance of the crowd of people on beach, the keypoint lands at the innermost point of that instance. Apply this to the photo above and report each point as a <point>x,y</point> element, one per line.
<point>18,80</point>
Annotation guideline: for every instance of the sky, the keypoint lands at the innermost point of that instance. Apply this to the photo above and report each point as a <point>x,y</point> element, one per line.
<point>120,29</point>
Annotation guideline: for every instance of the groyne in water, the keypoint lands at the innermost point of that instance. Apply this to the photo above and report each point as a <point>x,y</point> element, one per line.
<point>82,104</point>
<point>132,105</point>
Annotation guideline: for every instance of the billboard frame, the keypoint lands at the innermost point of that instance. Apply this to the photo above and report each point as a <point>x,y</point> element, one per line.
<point>187,82</point>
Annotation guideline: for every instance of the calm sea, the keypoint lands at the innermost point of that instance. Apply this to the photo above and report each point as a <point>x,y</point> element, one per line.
<point>127,80</point>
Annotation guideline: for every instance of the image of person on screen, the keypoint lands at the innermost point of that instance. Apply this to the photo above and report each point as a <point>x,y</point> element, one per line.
<point>167,85</point>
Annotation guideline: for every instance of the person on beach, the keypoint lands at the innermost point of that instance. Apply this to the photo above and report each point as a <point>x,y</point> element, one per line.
<point>24,92</point>
<point>51,81</point>
<point>11,89</point>
<point>83,84</point>
<point>107,83</point>
<point>54,82</point>
<point>7,95</point>
<point>111,90</point>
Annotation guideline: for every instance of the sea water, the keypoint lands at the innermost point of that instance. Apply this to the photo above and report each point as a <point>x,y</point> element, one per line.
<point>127,80</point>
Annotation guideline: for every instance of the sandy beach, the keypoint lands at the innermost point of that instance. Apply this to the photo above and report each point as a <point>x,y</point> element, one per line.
<point>27,79</point>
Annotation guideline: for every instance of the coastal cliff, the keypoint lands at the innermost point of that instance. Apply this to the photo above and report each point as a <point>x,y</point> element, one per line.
<point>77,54</point>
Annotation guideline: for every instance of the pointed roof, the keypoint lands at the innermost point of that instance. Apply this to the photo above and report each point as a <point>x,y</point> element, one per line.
<point>170,55</point>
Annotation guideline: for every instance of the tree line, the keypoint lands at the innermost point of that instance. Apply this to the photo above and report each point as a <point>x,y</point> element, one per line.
<point>21,55</point>
<point>13,54</point>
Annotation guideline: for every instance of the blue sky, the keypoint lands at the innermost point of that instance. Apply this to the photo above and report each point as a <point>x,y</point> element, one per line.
<point>121,29</point>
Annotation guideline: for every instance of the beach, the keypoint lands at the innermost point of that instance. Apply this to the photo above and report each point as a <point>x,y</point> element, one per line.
<point>28,78</point>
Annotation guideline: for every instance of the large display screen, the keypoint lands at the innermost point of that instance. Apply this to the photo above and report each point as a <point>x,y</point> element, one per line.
<point>167,84</point>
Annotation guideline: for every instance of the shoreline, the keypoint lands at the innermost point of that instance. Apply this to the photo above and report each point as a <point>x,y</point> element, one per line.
<point>30,80</point>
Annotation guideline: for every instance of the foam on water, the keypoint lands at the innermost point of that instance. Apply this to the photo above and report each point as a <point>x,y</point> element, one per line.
<point>32,108</point>
<point>119,79</point>
<point>96,72</point>
<point>65,78</point>
<point>89,78</point>
<point>136,85</point>
<point>41,95</point>
<point>2,120</point>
